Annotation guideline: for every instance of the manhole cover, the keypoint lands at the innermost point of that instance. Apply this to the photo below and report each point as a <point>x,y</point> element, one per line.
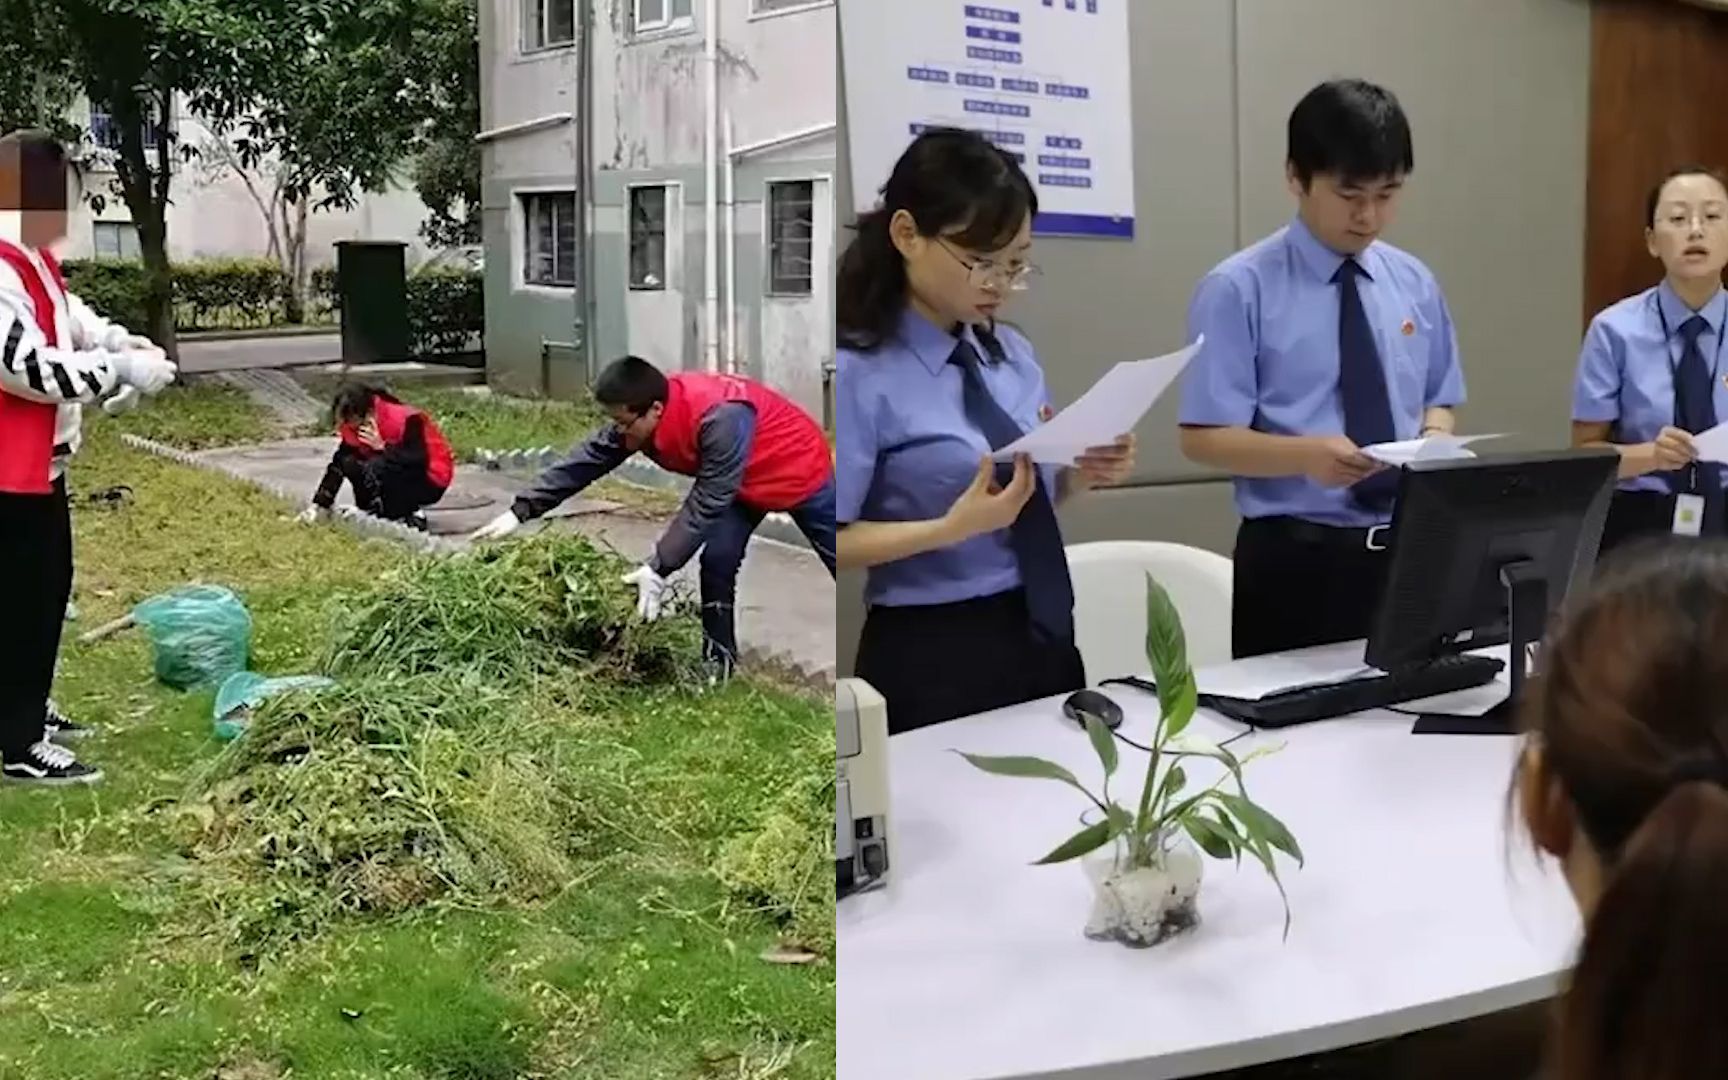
<point>274,453</point>
<point>461,500</point>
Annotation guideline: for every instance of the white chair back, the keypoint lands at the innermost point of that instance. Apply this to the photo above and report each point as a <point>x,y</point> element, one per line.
<point>1110,602</point>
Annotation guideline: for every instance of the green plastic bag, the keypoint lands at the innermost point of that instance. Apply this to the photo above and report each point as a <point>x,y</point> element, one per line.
<point>202,634</point>
<point>245,691</point>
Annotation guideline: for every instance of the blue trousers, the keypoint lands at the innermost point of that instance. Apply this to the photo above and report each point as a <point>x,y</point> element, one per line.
<point>723,553</point>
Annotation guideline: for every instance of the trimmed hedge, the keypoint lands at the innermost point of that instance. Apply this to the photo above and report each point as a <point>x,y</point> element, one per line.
<point>446,305</point>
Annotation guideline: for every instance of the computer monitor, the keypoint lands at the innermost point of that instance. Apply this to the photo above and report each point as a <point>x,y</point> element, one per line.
<point>1484,551</point>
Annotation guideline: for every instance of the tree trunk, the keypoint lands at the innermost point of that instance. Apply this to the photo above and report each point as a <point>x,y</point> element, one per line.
<point>146,193</point>
<point>297,261</point>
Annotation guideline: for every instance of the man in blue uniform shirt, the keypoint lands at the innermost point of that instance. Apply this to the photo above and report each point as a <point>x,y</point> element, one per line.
<point>1321,339</point>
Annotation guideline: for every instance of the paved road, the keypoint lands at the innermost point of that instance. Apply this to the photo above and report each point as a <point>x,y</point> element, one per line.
<point>201,357</point>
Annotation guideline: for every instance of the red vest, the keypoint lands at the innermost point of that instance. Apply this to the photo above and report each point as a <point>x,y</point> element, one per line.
<point>393,420</point>
<point>27,427</point>
<point>789,459</point>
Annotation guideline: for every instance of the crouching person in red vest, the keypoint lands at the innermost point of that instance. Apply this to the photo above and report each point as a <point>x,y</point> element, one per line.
<point>752,452</point>
<point>55,356</point>
<point>394,455</point>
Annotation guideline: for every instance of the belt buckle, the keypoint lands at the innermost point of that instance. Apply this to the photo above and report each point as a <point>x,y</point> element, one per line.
<point>1374,541</point>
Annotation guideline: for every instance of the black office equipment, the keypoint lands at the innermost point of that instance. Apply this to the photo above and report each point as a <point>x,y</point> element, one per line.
<point>1483,552</point>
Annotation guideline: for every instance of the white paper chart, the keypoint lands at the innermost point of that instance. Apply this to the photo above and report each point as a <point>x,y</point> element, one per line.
<point>1046,80</point>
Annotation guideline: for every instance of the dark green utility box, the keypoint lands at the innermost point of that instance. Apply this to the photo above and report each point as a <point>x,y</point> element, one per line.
<point>372,289</point>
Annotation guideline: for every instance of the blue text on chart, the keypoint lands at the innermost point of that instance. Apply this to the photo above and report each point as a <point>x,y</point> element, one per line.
<point>1059,142</point>
<point>997,108</point>
<point>1064,90</point>
<point>924,74</point>
<point>990,14</point>
<point>1058,180</point>
<point>980,82</point>
<point>1021,86</point>
<point>985,33</point>
<point>1000,138</point>
<point>1058,161</point>
<point>1072,5</point>
<point>1000,56</point>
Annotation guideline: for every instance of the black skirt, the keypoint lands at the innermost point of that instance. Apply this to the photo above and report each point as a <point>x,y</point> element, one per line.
<point>944,661</point>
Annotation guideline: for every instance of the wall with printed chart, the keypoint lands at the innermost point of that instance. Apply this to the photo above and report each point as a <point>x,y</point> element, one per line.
<point>1047,80</point>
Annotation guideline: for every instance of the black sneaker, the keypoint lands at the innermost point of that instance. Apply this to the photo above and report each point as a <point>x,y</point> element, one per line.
<point>58,727</point>
<point>49,765</point>
<point>417,521</point>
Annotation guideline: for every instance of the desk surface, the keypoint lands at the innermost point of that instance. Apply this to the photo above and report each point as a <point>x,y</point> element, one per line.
<point>1417,908</point>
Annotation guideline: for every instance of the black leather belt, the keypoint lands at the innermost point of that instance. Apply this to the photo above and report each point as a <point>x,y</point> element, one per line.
<point>1371,538</point>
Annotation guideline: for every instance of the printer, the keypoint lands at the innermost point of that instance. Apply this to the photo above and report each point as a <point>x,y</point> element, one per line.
<point>860,787</point>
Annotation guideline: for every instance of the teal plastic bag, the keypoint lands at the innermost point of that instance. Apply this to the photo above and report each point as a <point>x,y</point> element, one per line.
<point>245,691</point>
<point>202,634</point>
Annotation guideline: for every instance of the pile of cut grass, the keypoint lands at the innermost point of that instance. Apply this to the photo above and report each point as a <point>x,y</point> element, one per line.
<point>552,604</point>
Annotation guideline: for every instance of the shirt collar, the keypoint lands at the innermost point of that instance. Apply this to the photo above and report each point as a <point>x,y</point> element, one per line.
<point>1320,259</point>
<point>933,345</point>
<point>1675,311</point>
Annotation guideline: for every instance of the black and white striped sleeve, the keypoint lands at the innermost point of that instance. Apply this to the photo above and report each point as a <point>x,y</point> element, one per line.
<point>32,369</point>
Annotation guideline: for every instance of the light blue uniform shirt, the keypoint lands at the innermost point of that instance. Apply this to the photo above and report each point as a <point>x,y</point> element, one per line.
<point>1270,362</point>
<point>1626,369</point>
<point>904,451</point>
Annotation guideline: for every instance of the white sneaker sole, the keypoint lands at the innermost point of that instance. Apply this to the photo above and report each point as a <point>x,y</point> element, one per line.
<point>92,777</point>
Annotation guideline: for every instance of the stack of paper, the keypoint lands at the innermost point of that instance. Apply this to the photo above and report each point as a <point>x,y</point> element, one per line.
<point>1432,448</point>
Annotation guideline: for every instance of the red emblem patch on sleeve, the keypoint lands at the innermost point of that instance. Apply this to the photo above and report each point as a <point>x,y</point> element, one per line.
<point>1045,412</point>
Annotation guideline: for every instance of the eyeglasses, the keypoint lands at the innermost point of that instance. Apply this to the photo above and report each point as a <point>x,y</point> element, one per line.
<point>988,274</point>
<point>1676,218</point>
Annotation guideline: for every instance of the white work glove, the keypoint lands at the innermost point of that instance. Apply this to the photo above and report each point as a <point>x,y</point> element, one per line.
<point>310,514</point>
<point>650,587</point>
<point>499,527</point>
<point>125,400</point>
<point>147,369</point>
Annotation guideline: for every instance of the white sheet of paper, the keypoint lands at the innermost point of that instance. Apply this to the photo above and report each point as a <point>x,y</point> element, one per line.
<point>1713,444</point>
<point>1432,448</point>
<point>1113,406</point>
<point>1256,677</point>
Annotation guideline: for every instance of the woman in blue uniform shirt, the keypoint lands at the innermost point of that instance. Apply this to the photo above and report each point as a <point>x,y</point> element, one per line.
<point>1650,375</point>
<point>970,603</point>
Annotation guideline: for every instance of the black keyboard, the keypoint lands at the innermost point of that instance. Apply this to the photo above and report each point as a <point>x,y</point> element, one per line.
<point>1307,704</point>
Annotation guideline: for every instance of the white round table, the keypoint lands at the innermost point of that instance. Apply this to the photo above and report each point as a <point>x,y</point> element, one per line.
<point>1417,908</point>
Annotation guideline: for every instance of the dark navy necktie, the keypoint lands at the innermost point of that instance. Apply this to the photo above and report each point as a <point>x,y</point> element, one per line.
<point>1362,386</point>
<point>1695,408</point>
<point>1034,536</point>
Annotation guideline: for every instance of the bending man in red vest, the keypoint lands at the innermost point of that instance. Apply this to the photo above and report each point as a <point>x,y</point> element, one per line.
<point>55,356</point>
<point>752,452</point>
<point>393,454</point>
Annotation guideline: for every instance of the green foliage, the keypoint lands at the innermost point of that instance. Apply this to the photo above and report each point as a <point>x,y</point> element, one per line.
<point>446,310</point>
<point>446,172</point>
<point>550,604</point>
<point>782,864</point>
<point>1224,824</point>
<point>212,294</point>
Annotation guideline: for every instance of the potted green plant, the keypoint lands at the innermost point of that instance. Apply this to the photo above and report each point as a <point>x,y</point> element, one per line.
<point>1145,863</point>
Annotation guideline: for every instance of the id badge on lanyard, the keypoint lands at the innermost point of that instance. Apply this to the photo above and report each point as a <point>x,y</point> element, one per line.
<point>1689,505</point>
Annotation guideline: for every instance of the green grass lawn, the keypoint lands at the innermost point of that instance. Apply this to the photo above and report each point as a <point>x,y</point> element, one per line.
<point>112,967</point>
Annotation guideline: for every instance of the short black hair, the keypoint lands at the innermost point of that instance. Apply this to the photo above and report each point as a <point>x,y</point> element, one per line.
<point>632,383</point>
<point>41,165</point>
<point>1351,128</point>
<point>354,401</point>
<point>1655,197</point>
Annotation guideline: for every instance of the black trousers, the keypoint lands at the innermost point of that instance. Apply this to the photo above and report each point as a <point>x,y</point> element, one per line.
<point>36,550</point>
<point>1649,515</point>
<point>723,551</point>
<point>383,489</point>
<point>1299,584</point>
<point>945,661</point>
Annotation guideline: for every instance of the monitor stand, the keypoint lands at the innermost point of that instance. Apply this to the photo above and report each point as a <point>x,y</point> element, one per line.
<point>1527,605</point>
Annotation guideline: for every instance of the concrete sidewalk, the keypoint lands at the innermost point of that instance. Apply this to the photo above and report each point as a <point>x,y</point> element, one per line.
<point>785,595</point>
<point>263,351</point>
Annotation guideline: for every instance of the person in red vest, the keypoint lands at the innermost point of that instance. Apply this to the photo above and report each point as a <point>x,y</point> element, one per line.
<point>56,355</point>
<point>393,454</point>
<point>752,451</point>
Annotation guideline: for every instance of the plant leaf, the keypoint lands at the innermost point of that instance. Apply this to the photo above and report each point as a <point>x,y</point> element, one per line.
<point>1029,768</point>
<point>1167,650</point>
<point>1262,824</point>
<point>1211,839</point>
<point>1104,742</point>
<point>1175,779</point>
<point>1088,839</point>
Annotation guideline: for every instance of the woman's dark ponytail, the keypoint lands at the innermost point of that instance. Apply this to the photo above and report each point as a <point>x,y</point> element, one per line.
<point>1645,1001</point>
<point>953,183</point>
<point>870,284</point>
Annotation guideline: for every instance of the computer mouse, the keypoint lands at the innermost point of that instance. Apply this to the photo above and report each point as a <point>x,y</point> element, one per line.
<point>1092,702</point>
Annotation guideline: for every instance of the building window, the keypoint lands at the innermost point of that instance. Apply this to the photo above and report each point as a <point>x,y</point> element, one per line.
<point>547,24</point>
<point>551,239</point>
<point>648,237</point>
<point>117,240</point>
<point>660,14</point>
<point>104,132</point>
<point>769,7</point>
<point>791,237</point>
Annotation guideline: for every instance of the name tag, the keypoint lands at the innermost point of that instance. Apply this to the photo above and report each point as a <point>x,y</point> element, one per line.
<point>1688,515</point>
